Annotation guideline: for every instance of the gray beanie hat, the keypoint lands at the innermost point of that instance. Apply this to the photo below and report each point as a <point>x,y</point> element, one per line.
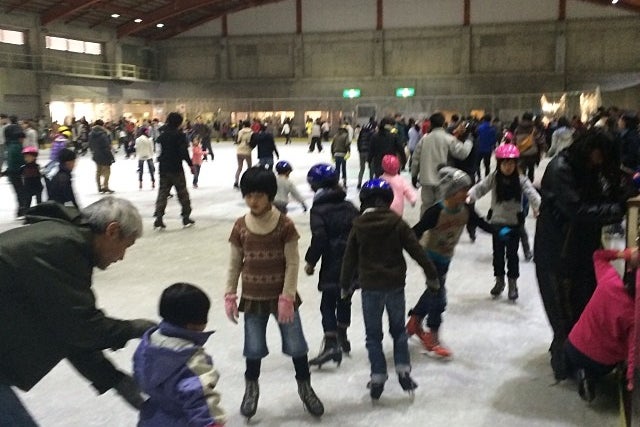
<point>452,180</point>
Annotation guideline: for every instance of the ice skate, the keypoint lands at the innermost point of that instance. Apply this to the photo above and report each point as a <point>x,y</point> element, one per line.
<point>187,222</point>
<point>414,326</point>
<point>330,351</point>
<point>309,398</point>
<point>249,404</point>
<point>513,289</point>
<point>375,389</point>
<point>433,347</point>
<point>406,382</point>
<point>343,341</point>
<point>158,224</point>
<point>586,387</point>
<point>498,287</point>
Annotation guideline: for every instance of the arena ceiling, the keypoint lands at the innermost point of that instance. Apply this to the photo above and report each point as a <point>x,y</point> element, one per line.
<point>176,16</point>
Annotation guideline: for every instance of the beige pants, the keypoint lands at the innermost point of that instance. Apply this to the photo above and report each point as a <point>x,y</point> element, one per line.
<point>103,171</point>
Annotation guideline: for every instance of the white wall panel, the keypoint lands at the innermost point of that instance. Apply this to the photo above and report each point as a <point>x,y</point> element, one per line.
<point>338,15</point>
<point>497,11</point>
<point>210,29</point>
<point>421,13</point>
<point>275,18</point>
<point>581,9</point>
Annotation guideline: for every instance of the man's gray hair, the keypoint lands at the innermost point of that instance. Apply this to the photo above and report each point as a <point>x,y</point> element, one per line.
<point>113,209</point>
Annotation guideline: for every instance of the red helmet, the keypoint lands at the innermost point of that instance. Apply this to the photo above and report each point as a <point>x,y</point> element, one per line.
<point>507,151</point>
<point>390,164</point>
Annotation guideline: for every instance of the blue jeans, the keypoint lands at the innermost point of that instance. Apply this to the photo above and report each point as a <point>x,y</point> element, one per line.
<point>255,336</point>
<point>432,306</point>
<point>373,305</point>
<point>341,167</point>
<point>12,412</point>
<point>335,310</point>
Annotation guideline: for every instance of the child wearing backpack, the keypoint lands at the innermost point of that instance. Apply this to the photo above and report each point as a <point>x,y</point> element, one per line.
<point>331,219</point>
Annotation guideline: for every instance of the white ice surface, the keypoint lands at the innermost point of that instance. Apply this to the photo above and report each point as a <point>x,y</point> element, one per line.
<point>499,375</point>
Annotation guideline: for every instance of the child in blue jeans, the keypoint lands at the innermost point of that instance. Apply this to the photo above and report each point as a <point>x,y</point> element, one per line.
<point>264,250</point>
<point>444,222</point>
<point>374,248</point>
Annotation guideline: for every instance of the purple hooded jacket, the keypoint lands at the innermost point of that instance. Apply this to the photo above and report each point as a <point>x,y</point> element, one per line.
<point>171,366</point>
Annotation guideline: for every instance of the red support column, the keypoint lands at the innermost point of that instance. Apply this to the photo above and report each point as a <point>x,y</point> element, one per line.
<point>225,27</point>
<point>562,10</point>
<point>467,13</point>
<point>379,10</point>
<point>298,16</point>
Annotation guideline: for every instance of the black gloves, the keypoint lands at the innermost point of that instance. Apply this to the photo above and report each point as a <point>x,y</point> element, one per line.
<point>414,181</point>
<point>140,326</point>
<point>129,391</point>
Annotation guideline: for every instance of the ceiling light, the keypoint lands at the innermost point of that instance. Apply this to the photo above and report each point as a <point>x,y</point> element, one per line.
<point>137,20</point>
<point>115,15</point>
<point>159,25</point>
<point>614,1</point>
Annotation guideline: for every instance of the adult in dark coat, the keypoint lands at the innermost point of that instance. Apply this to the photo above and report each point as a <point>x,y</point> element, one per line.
<point>13,136</point>
<point>386,141</point>
<point>580,193</point>
<point>174,151</point>
<point>100,145</point>
<point>47,308</point>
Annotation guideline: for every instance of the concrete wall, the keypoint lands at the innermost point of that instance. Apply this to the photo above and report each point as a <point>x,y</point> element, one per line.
<point>511,47</point>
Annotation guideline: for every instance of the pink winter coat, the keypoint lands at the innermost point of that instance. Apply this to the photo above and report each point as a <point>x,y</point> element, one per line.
<point>605,331</point>
<point>401,189</point>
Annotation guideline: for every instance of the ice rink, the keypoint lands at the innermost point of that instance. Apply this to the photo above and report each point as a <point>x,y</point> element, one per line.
<point>499,374</point>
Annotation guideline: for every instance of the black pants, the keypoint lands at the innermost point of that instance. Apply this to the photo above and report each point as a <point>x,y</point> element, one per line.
<point>150,166</point>
<point>485,159</point>
<point>335,310</point>
<point>168,180</point>
<point>315,140</point>
<point>18,188</point>
<point>578,360</point>
<point>506,245</point>
<point>528,165</point>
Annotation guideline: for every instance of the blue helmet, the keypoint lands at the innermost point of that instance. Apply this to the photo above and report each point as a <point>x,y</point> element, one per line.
<point>322,175</point>
<point>283,167</point>
<point>375,191</point>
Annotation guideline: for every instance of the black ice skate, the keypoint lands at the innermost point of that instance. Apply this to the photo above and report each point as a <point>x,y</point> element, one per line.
<point>375,390</point>
<point>249,404</point>
<point>406,382</point>
<point>513,289</point>
<point>586,387</point>
<point>343,341</point>
<point>158,224</point>
<point>187,222</point>
<point>330,351</point>
<point>498,288</point>
<point>309,398</point>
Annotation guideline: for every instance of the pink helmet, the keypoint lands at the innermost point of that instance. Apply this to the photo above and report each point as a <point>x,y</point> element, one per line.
<point>390,164</point>
<point>507,151</point>
<point>30,150</point>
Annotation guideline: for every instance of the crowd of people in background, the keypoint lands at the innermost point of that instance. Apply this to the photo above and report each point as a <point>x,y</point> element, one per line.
<point>593,169</point>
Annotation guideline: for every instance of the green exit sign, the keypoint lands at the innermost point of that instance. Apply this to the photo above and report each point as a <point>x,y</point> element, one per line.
<point>405,92</point>
<point>351,93</point>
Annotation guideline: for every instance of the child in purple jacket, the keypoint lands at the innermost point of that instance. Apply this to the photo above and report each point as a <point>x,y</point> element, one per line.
<point>171,366</point>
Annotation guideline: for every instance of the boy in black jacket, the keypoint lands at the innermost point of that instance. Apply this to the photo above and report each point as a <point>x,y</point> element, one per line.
<point>375,248</point>
<point>331,219</point>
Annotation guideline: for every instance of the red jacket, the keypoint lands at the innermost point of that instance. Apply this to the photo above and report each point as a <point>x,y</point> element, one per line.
<point>605,331</point>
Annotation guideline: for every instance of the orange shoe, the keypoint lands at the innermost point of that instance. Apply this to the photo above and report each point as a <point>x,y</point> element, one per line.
<point>433,346</point>
<point>414,326</point>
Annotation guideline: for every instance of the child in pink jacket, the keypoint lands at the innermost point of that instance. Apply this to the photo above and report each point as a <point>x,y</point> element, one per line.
<point>604,335</point>
<point>401,187</point>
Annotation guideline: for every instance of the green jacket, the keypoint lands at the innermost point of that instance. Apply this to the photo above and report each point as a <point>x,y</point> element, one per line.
<point>47,307</point>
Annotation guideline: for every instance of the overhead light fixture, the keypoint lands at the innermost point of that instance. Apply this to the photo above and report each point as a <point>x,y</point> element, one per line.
<point>137,20</point>
<point>614,1</point>
<point>115,15</point>
<point>159,25</point>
